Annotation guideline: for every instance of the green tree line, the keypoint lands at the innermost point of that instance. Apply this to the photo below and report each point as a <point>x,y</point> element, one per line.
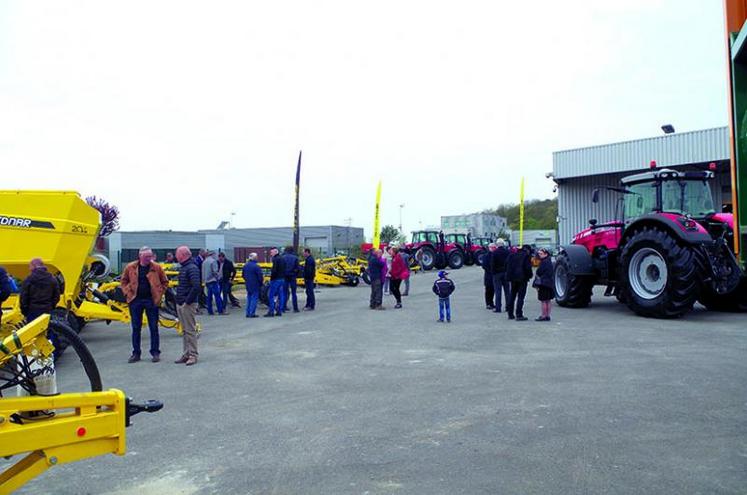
<point>539,214</point>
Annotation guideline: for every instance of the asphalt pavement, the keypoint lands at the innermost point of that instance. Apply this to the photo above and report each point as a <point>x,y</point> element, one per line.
<point>348,400</point>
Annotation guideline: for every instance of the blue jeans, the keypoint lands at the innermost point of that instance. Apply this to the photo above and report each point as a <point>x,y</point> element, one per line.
<point>225,290</point>
<point>252,298</point>
<point>308,284</point>
<point>501,287</point>
<point>137,306</point>
<point>290,285</point>
<point>275,303</point>
<point>213,292</point>
<point>444,305</point>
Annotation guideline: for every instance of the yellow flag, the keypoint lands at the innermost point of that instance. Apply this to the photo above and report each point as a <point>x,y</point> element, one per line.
<point>521,213</point>
<point>377,230</point>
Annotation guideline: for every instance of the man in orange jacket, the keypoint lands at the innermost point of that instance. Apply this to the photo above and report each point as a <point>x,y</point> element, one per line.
<point>144,284</point>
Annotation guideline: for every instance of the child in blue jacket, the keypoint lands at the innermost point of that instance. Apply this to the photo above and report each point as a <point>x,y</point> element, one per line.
<point>443,288</point>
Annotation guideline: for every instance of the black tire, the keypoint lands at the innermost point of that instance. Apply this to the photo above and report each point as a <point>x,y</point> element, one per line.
<point>658,275</point>
<point>25,369</point>
<point>733,302</point>
<point>479,255</point>
<point>426,257</point>
<point>571,291</point>
<point>455,259</point>
<point>63,333</point>
<point>469,258</point>
<point>366,277</point>
<point>61,314</point>
<point>353,281</point>
<point>264,294</point>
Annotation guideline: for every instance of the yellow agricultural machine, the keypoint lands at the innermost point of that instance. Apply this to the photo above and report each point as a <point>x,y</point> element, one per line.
<point>54,411</point>
<point>61,229</point>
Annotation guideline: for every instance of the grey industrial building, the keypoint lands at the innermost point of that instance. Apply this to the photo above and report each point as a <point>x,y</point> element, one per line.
<point>477,224</point>
<point>577,172</point>
<point>326,240</point>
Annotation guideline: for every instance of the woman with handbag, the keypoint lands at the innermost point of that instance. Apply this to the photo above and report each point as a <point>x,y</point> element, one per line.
<point>544,283</point>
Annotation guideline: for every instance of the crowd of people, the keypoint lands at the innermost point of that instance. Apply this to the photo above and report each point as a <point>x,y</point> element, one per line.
<point>507,273</point>
<point>207,279</point>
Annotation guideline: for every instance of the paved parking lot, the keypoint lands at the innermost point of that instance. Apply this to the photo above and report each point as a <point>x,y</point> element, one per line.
<point>347,400</point>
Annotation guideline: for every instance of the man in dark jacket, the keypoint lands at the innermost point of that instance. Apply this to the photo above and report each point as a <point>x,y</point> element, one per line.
<point>253,280</point>
<point>228,273</point>
<point>292,270</point>
<point>5,288</point>
<point>277,279</point>
<point>487,277</point>
<point>187,296</point>
<point>518,273</point>
<point>443,287</point>
<point>498,267</point>
<point>199,259</point>
<point>375,267</point>
<point>40,291</point>
<point>309,274</point>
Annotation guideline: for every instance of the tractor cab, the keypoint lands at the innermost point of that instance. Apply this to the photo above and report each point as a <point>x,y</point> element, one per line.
<point>685,194</point>
<point>421,236</point>
<point>457,238</point>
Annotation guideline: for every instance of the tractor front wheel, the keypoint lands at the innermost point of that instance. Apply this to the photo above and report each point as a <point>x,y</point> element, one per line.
<point>455,259</point>
<point>426,257</point>
<point>479,255</point>
<point>659,276</point>
<point>571,291</point>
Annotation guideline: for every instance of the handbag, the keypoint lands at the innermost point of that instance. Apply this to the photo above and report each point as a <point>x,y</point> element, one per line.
<point>536,283</point>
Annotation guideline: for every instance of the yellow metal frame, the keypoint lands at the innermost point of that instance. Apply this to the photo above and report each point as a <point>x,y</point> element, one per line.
<point>84,425</point>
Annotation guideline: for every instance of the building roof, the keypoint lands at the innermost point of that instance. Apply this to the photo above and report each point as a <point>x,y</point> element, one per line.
<point>669,150</point>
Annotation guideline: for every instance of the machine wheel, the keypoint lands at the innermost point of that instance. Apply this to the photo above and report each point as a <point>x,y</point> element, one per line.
<point>61,314</point>
<point>264,294</point>
<point>426,257</point>
<point>571,291</point>
<point>479,255</point>
<point>469,258</point>
<point>455,259</point>
<point>733,302</point>
<point>658,275</point>
<point>23,372</point>
<point>354,281</point>
<point>366,277</point>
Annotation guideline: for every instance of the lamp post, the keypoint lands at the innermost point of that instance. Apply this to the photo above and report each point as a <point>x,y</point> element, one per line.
<point>400,217</point>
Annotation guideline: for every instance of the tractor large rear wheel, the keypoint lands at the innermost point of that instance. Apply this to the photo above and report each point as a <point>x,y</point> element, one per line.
<point>455,259</point>
<point>571,291</point>
<point>733,302</point>
<point>659,276</point>
<point>479,255</point>
<point>426,257</point>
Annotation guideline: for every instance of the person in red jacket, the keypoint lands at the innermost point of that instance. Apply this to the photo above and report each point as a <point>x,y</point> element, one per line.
<point>398,274</point>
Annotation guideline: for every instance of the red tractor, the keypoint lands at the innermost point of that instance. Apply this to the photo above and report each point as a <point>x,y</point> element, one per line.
<point>431,250</point>
<point>474,249</point>
<point>669,249</point>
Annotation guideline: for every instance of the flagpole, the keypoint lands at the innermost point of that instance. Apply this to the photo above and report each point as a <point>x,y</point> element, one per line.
<point>377,230</point>
<point>296,219</point>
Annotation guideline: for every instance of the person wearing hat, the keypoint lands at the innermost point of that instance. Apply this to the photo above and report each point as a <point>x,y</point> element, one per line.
<point>443,287</point>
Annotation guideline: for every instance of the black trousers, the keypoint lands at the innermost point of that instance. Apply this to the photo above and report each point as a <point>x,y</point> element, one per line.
<point>308,284</point>
<point>489,290</point>
<point>518,293</point>
<point>394,289</point>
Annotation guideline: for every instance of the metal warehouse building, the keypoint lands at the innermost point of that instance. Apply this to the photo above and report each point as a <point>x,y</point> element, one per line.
<point>324,241</point>
<point>578,172</point>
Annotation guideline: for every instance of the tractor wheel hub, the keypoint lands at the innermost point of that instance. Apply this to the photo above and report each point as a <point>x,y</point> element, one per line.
<point>648,273</point>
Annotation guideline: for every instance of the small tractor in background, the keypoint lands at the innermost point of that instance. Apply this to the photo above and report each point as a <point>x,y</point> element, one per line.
<point>430,249</point>
<point>474,249</point>
<point>668,249</point>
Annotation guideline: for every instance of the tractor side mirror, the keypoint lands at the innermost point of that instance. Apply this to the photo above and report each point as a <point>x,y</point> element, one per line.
<point>593,222</point>
<point>595,196</point>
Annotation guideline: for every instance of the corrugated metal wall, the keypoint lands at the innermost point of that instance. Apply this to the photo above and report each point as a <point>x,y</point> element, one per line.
<point>668,151</point>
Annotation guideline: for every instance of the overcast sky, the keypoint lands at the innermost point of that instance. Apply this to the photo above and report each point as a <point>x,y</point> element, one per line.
<point>182,112</point>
